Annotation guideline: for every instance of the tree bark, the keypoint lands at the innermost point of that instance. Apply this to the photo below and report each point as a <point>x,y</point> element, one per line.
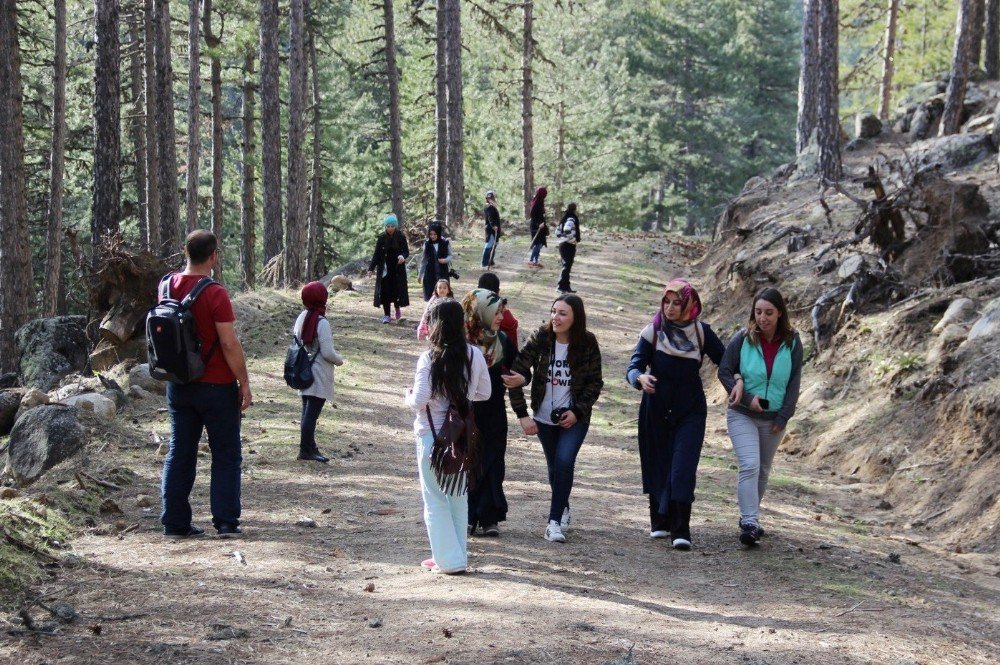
<point>53,236</point>
<point>248,209</point>
<point>395,124</point>
<point>979,6</point>
<point>527,112</point>
<point>888,54</point>
<point>106,208</point>
<point>213,42</point>
<point>991,28</point>
<point>137,126</point>
<point>808,66</point>
<point>16,290</point>
<point>441,113</point>
<point>456,152</point>
<point>270,128</point>
<point>152,162</point>
<point>166,134</point>
<point>954,98</point>
<point>315,264</point>
<point>295,187</point>
<point>194,114</point>
<point>827,98</point>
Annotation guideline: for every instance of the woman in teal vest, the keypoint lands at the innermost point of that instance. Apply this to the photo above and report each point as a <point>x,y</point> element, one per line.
<point>761,370</point>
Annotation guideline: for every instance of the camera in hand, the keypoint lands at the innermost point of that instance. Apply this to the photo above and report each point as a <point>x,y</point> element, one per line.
<point>764,404</point>
<point>557,414</point>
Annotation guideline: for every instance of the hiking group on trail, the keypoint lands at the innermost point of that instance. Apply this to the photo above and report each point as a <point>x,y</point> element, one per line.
<point>457,395</point>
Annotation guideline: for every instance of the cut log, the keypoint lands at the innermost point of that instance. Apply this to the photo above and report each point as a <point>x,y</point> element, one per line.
<point>123,321</point>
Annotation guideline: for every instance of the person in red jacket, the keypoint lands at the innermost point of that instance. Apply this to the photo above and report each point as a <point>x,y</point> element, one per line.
<point>508,325</point>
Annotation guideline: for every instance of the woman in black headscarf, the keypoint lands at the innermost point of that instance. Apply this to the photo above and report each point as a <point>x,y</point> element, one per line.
<point>435,264</point>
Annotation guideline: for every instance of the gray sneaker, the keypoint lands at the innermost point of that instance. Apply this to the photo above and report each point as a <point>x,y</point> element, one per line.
<point>553,533</point>
<point>564,522</point>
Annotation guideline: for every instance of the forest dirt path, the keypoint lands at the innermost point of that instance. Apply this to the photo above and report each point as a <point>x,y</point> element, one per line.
<point>820,589</point>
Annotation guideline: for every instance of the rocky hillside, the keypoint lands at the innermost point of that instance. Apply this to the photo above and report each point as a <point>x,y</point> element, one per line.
<point>893,277</point>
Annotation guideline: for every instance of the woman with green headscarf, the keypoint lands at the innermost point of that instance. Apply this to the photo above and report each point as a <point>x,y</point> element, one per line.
<point>487,503</point>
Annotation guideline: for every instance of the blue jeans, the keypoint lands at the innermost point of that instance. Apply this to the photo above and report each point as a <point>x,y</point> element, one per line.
<point>488,251</point>
<point>194,407</point>
<point>446,515</point>
<point>561,446</point>
<point>536,250</point>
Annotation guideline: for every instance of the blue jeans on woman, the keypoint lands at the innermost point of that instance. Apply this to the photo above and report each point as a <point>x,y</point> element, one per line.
<point>536,251</point>
<point>561,445</point>
<point>489,251</point>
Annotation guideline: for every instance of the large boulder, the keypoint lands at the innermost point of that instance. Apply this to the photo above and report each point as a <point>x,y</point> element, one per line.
<point>102,407</point>
<point>925,117</point>
<point>867,125</point>
<point>951,152</point>
<point>10,402</point>
<point>140,376</point>
<point>52,348</point>
<point>42,438</point>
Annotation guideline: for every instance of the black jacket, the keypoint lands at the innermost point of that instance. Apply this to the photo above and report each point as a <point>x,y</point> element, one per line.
<point>492,216</point>
<point>387,251</point>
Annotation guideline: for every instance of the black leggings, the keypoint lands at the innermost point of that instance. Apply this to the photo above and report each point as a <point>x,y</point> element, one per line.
<point>311,406</point>
<point>385,308</point>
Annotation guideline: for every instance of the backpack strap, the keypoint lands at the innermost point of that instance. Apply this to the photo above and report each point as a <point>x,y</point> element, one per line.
<point>163,290</point>
<point>202,284</point>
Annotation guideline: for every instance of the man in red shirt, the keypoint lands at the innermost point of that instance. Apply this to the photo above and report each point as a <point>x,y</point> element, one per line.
<point>212,403</point>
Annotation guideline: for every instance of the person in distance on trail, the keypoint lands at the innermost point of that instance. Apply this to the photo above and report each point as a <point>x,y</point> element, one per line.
<point>562,360</point>
<point>493,232</point>
<point>442,290</point>
<point>212,403</point>
<point>761,370</point>
<point>665,367</point>
<point>449,376</point>
<point>490,282</point>
<point>388,264</point>
<point>538,227</point>
<point>313,329</point>
<point>435,263</point>
<point>487,503</point>
<point>569,235</point>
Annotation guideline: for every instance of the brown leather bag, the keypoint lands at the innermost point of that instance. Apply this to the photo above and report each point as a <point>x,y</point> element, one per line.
<point>455,453</point>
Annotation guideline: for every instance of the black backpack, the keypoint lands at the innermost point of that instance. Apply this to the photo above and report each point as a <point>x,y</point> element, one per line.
<point>171,336</point>
<point>298,365</point>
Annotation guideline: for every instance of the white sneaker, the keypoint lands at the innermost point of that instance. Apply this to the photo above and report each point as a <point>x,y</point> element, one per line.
<point>564,522</point>
<point>553,533</point>
<point>659,534</point>
<point>682,544</point>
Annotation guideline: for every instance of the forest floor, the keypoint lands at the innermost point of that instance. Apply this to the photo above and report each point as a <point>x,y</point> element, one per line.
<point>826,585</point>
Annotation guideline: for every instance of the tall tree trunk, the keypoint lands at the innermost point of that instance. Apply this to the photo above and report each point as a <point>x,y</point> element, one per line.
<point>270,128</point>
<point>954,98</point>
<point>248,210</point>
<point>827,106</point>
<point>106,208</point>
<point>152,162</point>
<point>527,113</point>
<point>979,6</point>
<point>991,27</point>
<point>395,125</point>
<point>456,152</point>
<point>137,126</point>
<point>194,114</point>
<point>16,290</point>
<point>213,41</point>
<point>53,236</point>
<point>316,265</point>
<point>295,188</point>
<point>441,113</point>
<point>888,54</point>
<point>808,68</point>
<point>166,134</point>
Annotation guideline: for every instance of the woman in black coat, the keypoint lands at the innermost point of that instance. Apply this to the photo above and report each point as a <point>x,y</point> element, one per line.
<point>389,266</point>
<point>435,264</point>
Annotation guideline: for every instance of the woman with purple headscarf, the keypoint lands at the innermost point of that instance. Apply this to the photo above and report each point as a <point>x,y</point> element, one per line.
<point>666,368</point>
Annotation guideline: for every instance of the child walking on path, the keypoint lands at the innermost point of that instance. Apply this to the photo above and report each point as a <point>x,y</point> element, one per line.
<point>442,290</point>
<point>761,370</point>
<point>313,329</point>
<point>449,374</point>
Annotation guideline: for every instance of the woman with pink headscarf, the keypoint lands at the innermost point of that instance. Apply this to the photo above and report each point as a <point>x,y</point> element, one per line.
<point>666,368</point>
<point>312,328</point>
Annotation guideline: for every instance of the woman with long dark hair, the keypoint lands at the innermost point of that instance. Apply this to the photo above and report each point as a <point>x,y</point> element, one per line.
<point>484,311</point>
<point>388,264</point>
<point>539,227</point>
<point>563,362</point>
<point>313,330</point>
<point>450,374</point>
<point>762,371</point>
<point>435,263</point>
<point>666,367</point>
<point>569,235</point>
